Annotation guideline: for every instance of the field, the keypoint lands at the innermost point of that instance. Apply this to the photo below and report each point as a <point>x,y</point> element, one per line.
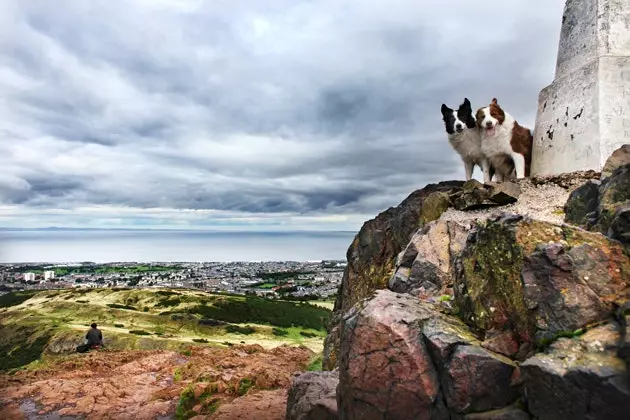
<point>33,324</point>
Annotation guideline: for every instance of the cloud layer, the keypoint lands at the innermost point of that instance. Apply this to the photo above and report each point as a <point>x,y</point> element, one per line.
<point>298,114</point>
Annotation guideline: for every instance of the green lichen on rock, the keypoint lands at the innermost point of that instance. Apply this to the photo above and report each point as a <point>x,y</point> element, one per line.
<point>491,284</point>
<point>538,280</point>
<point>433,207</point>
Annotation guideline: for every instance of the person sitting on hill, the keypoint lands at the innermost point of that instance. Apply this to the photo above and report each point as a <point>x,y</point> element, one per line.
<point>94,337</point>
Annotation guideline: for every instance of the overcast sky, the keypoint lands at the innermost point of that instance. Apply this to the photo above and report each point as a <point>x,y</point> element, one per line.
<point>249,114</point>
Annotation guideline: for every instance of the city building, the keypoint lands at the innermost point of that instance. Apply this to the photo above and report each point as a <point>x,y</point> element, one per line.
<point>29,276</point>
<point>49,275</point>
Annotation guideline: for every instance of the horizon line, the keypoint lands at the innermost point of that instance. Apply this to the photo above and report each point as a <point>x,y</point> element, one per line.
<point>55,228</point>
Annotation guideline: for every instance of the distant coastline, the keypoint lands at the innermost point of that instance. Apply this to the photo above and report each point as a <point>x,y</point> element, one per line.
<point>169,245</point>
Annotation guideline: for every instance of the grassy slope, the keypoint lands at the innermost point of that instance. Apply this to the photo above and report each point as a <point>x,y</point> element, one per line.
<point>56,321</point>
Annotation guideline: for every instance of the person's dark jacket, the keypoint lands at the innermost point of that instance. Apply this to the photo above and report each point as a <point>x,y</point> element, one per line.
<point>94,336</point>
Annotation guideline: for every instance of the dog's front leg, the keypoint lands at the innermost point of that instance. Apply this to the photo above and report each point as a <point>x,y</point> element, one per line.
<point>469,166</point>
<point>485,167</point>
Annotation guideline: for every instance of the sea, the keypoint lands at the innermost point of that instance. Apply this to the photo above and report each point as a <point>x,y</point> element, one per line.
<point>101,246</point>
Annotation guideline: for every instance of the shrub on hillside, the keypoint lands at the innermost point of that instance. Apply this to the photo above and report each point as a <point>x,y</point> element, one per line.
<point>118,306</point>
<point>15,298</point>
<point>279,332</point>
<point>263,311</point>
<point>246,330</point>
<point>139,332</point>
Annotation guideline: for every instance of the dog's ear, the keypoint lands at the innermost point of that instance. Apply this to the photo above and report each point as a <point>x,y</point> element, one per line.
<point>466,104</point>
<point>445,110</point>
<point>494,101</point>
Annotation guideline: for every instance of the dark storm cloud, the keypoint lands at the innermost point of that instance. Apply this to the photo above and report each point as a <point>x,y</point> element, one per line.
<point>304,108</point>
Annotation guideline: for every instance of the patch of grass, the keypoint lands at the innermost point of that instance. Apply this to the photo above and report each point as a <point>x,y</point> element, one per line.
<point>118,306</point>
<point>258,310</point>
<point>315,365</point>
<point>15,298</point>
<point>236,329</point>
<point>177,375</point>
<point>21,345</point>
<point>243,386</point>
<point>166,293</point>
<point>279,332</point>
<point>170,302</point>
<point>543,343</point>
<point>186,352</point>
<point>200,340</point>
<point>185,404</point>
<point>307,334</point>
<point>139,332</point>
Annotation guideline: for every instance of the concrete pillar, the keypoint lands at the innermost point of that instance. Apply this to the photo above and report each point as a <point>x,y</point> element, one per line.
<point>584,115</point>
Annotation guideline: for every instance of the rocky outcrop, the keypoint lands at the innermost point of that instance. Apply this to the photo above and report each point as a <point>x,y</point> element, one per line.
<point>372,254</point>
<point>313,396</point>
<point>493,312</point>
<point>402,359</point>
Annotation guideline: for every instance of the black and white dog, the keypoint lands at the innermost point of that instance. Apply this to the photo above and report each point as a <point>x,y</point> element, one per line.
<point>464,136</point>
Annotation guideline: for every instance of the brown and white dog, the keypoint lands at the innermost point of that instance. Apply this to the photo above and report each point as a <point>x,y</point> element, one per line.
<point>506,144</point>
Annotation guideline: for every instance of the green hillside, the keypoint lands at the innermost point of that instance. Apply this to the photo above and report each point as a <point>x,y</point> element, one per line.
<point>51,323</point>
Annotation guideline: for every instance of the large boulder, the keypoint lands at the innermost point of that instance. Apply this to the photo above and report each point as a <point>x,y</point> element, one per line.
<point>313,396</point>
<point>614,194</point>
<point>603,207</point>
<point>619,157</point>
<point>581,207</point>
<point>373,251</point>
<point>523,283</point>
<point>579,378</point>
<point>402,359</point>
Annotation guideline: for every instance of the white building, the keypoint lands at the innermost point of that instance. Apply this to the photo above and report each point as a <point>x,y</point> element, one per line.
<point>48,275</point>
<point>29,276</point>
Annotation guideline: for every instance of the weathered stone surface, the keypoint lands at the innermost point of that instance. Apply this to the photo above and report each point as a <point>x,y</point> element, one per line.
<point>581,207</point>
<point>504,342</point>
<point>623,314</point>
<point>371,256</point>
<point>385,368</point>
<point>443,335</point>
<point>509,413</point>
<point>603,208</point>
<point>580,115</point>
<point>504,193</point>
<point>614,194</point>
<point>620,225</point>
<point>464,392</point>
<point>619,157</point>
<point>579,378</point>
<point>475,195</point>
<point>425,266</point>
<point>538,280</point>
<point>313,396</point>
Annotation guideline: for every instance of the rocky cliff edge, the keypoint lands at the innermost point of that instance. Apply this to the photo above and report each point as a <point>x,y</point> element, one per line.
<point>471,301</point>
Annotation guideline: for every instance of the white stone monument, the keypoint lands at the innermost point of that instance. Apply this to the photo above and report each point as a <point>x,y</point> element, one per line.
<point>584,115</point>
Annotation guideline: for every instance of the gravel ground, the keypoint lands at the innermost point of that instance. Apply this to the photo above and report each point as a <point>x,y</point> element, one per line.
<point>541,198</point>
